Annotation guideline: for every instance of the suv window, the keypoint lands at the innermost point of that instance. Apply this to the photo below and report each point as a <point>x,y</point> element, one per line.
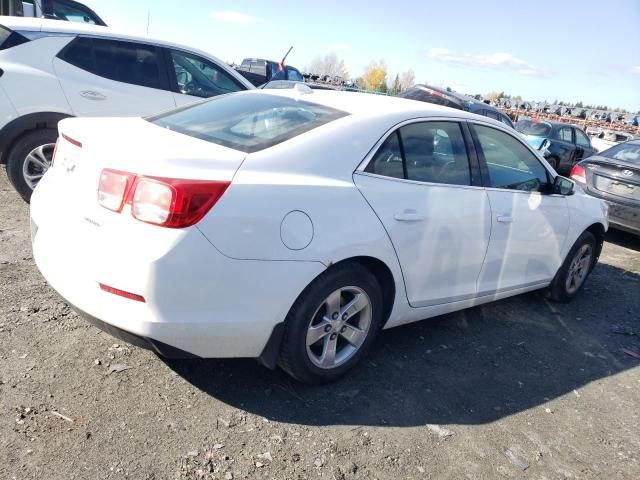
<point>432,152</point>
<point>126,62</point>
<point>201,78</point>
<point>565,134</point>
<point>581,139</point>
<point>510,164</point>
<point>9,38</point>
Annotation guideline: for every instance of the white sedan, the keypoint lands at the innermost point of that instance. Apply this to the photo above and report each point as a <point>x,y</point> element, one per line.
<point>293,225</point>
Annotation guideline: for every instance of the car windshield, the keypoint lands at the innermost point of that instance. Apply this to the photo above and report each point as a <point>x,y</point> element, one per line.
<point>537,129</point>
<point>626,152</point>
<point>247,122</point>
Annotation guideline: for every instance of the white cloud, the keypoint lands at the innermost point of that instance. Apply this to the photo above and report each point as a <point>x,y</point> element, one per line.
<point>498,60</point>
<point>636,69</point>
<point>233,17</point>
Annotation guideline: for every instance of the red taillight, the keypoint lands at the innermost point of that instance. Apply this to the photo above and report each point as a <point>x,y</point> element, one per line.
<point>167,202</point>
<point>579,174</point>
<point>122,293</point>
<point>72,141</point>
<point>113,188</point>
<point>174,203</point>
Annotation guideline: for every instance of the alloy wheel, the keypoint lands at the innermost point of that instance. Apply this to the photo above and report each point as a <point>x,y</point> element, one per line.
<point>37,163</point>
<point>579,268</point>
<point>339,327</point>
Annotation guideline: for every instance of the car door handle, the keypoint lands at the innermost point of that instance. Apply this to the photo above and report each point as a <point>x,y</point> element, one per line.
<point>93,95</point>
<point>505,218</point>
<point>408,216</point>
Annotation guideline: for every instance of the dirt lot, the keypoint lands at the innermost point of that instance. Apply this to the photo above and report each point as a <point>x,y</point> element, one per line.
<point>517,389</point>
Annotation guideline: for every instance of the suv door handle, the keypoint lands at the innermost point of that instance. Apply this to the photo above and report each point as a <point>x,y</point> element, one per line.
<point>408,216</point>
<point>504,218</point>
<point>93,95</point>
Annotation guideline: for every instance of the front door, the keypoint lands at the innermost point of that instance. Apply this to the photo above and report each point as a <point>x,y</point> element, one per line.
<point>529,225</point>
<point>419,183</point>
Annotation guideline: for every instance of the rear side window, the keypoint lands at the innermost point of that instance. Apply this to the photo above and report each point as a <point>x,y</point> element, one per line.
<point>431,152</point>
<point>126,62</point>
<point>9,38</point>
<point>247,122</point>
<point>582,140</point>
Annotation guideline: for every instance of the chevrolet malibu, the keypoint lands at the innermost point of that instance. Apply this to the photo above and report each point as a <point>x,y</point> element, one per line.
<point>293,225</point>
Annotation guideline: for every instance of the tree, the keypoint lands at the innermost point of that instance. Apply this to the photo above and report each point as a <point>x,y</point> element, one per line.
<point>579,105</point>
<point>375,76</point>
<point>330,65</point>
<point>395,86</point>
<point>407,80</point>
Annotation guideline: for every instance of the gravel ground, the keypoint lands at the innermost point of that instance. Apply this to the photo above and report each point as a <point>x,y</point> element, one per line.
<point>517,389</point>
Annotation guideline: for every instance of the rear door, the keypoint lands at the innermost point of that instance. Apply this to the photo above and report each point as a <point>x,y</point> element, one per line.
<point>102,76</point>
<point>583,146</point>
<point>424,186</point>
<point>193,77</point>
<point>529,225</point>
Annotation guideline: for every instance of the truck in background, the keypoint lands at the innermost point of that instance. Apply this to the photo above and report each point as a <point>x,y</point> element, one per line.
<point>68,10</point>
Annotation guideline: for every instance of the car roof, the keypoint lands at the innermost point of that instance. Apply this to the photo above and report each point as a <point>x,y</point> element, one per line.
<point>362,104</point>
<point>29,24</point>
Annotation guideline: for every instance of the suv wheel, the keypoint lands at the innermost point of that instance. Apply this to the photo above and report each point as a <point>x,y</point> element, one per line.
<point>575,269</point>
<point>332,324</point>
<point>29,159</point>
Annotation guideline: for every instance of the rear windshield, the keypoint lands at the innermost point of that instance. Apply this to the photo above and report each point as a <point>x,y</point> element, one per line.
<point>537,129</point>
<point>247,122</point>
<point>628,152</point>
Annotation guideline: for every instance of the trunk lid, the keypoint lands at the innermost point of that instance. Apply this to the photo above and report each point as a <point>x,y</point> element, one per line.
<point>133,145</point>
<point>614,177</point>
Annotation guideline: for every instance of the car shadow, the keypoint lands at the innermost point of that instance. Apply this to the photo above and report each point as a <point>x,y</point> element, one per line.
<point>469,367</point>
<point>623,239</point>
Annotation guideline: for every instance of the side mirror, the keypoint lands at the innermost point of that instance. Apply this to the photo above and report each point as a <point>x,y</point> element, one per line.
<point>563,186</point>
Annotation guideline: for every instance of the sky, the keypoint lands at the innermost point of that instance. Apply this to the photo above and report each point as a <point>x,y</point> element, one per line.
<point>571,50</point>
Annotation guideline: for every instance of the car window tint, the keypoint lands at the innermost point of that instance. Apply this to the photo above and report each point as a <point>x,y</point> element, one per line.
<point>435,152</point>
<point>564,134</point>
<point>510,164</point>
<point>388,159</point>
<point>201,78</point>
<point>582,140</point>
<point>126,62</point>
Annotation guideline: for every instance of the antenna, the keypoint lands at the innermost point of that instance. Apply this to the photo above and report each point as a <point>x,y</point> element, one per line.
<point>286,55</point>
<point>148,20</point>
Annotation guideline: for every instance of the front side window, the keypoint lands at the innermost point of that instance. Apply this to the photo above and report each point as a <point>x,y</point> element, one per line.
<point>248,122</point>
<point>431,152</point>
<point>581,139</point>
<point>201,78</point>
<point>509,163</point>
<point>533,128</point>
<point>126,62</point>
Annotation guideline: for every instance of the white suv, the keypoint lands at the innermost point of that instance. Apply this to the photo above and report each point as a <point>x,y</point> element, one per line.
<point>50,70</point>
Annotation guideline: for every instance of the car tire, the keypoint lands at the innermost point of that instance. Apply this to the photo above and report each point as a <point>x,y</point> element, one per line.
<point>554,162</point>
<point>37,145</point>
<point>315,348</point>
<point>573,273</point>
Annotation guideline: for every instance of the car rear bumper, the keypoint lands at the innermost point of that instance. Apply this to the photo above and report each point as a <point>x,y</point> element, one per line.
<point>622,216</point>
<point>197,301</point>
